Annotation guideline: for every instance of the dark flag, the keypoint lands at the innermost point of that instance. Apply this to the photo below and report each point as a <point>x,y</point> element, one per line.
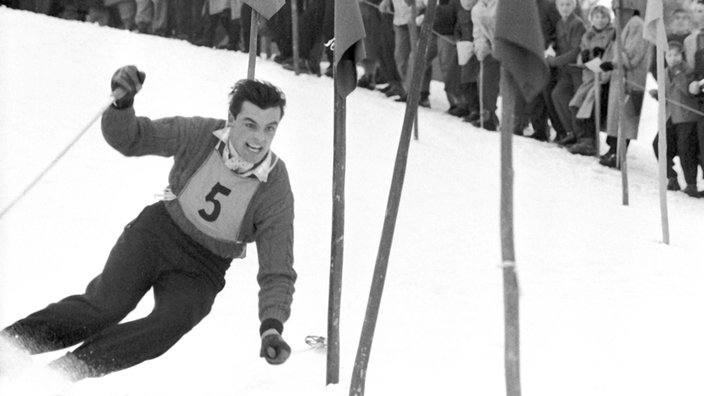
<point>266,8</point>
<point>519,45</point>
<point>349,44</point>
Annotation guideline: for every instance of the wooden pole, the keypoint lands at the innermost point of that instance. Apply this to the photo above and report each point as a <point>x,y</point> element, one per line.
<point>481,94</point>
<point>619,74</point>
<point>253,32</point>
<point>338,238</point>
<point>116,94</point>
<point>413,33</point>
<point>597,113</point>
<point>510,280</point>
<point>662,125</point>
<point>382,260</point>
<point>295,36</point>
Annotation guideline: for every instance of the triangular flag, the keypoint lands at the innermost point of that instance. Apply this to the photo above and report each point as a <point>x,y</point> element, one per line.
<point>654,24</point>
<point>266,8</point>
<point>349,44</point>
<point>519,45</point>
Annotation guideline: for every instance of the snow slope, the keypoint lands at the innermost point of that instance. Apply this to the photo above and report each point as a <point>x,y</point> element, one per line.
<point>606,308</point>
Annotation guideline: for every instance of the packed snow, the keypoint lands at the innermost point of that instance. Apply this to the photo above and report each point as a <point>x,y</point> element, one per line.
<point>606,308</point>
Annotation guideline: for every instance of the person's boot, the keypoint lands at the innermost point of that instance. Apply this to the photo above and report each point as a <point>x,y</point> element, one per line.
<point>583,147</point>
<point>609,160</point>
<point>487,121</point>
<point>568,140</point>
<point>473,116</point>
<point>691,190</point>
<point>367,81</point>
<point>672,184</point>
<point>424,100</point>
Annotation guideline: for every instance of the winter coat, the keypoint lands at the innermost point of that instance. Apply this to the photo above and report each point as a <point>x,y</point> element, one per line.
<point>549,16</point>
<point>634,58</point>
<point>569,37</point>
<point>690,47</point>
<point>677,89</point>
<point>597,44</point>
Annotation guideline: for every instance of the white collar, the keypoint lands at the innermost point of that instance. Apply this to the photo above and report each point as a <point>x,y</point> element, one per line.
<point>233,161</point>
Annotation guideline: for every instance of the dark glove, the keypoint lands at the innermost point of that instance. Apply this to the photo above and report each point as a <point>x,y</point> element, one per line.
<point>607,66</point>
<point>597,52</point>
<point>274,349</point>
<point>585,56</point>
<point>125,84</point>
<point>653,93</point>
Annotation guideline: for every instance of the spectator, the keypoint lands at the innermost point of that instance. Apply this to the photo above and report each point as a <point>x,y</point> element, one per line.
<point>681,128</point>
<point>569,30</point>
<point>597,43</point>
<point>461,80</point>
<point>379,42</point>
<point>152,16</point>
<point>186,19</point>
<point>634,61</point>
<point>402,42</point>
<point>441,46</point>
<point>126,10</point>
<point>694,55</point>
<point>483,21</point>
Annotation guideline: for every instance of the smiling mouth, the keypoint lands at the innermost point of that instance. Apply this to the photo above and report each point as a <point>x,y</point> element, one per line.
<point>253,148</point>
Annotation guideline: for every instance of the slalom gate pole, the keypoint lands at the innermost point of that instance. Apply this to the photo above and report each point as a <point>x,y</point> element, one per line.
<point>253,33</point>
<point>295,36</point>
<point>36,180</point>
<point>359,373</point>
<point>597,112</point>
<point>662,142</point>
<point>338,235</point>
<point>510,280</point>
<point>620,85</point>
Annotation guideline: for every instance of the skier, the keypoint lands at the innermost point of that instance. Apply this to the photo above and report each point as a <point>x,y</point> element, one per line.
<point>226,189</point>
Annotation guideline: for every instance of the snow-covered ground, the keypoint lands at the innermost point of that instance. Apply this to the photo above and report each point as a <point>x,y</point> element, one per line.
<point>606,308</point>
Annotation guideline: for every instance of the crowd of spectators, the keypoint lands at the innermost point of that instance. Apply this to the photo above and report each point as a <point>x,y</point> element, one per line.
<point>580,50</point>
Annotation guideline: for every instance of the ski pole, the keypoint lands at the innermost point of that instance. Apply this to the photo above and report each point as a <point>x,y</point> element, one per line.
<point>114,96</point>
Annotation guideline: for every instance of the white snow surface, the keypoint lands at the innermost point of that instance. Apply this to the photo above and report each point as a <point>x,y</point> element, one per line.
<point>606,307</point>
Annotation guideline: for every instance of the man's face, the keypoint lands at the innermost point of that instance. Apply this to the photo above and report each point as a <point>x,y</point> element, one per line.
<point>680,22</point>
<point>253,130</point>
<point>565,7</point>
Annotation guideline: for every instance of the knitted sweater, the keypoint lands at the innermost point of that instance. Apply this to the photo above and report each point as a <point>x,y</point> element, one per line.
<point>267,217</point>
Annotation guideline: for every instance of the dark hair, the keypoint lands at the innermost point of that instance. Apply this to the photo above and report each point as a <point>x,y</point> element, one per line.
<point>260,93</point>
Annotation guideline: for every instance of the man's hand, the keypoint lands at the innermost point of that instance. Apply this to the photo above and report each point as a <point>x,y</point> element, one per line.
<point>125,84</point>
<point>274,349</point>
<point>385,7</point>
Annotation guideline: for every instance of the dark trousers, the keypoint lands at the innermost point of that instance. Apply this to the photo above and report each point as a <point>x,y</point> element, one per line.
<point>534,112</point>
<point>552,114</point>
<point>681,140</point>
<point>491,76</point>
<point>152,252</point>
<point>568,80</point>
<point>379,42</point>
